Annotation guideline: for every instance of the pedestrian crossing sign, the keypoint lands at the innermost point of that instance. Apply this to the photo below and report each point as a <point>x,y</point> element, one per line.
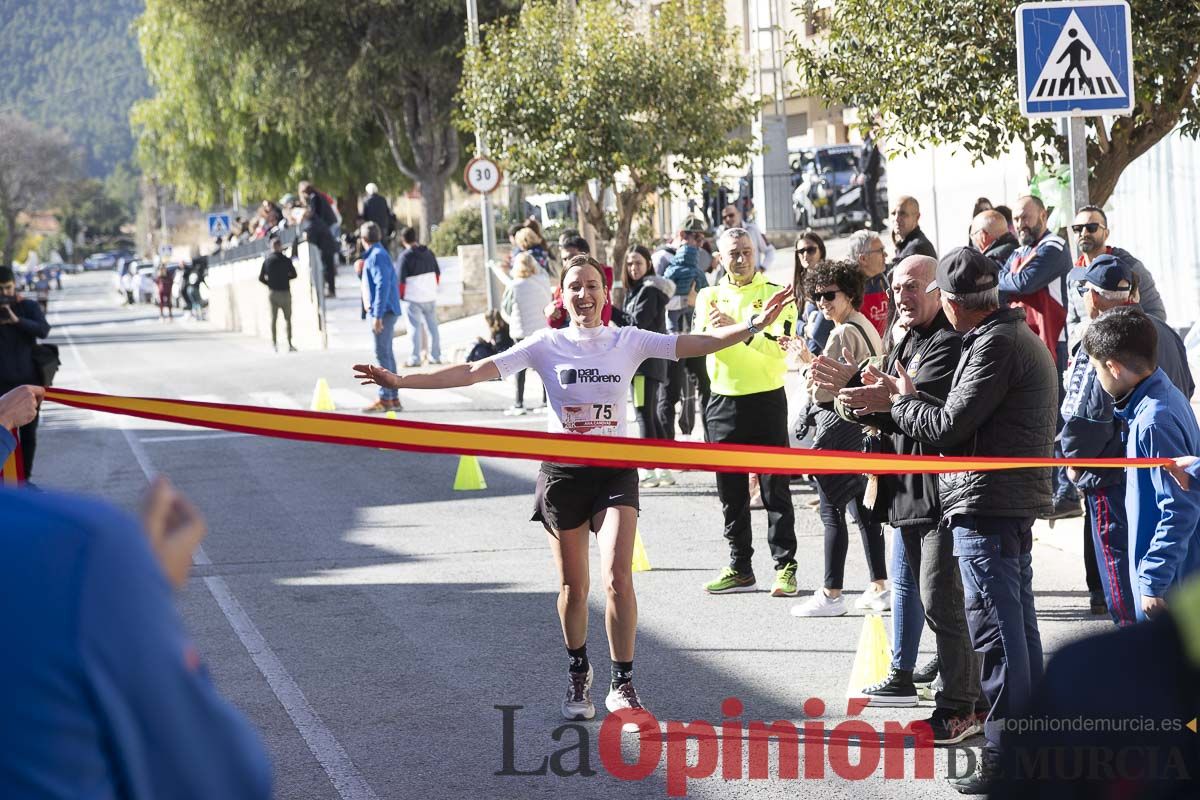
<point>218,225</point>
<point>1075,59</point>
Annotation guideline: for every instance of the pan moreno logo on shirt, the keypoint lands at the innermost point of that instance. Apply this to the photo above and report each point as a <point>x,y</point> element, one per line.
<point>591,375</point>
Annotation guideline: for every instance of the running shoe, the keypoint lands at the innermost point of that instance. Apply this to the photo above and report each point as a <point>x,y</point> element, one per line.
<point>624,696</point>
<point>665,477</point>
<point>785,582</point>
<point>820,604</point>
<point>873,599</point>
<point>647,479</point>
<point>731,581</point>
<point>578,704</point>
<point>894,691</point>
<point>378,407</point>
<point>951,728</point>
<point>515,411</point>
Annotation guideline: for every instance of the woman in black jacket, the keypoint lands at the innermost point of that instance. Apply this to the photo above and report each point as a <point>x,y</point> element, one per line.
<point>646,297</point>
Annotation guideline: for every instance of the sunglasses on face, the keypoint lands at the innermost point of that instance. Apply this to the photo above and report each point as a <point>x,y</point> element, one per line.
<point>828,297</point>
<point>806,251</point>
<point>1090,227</point>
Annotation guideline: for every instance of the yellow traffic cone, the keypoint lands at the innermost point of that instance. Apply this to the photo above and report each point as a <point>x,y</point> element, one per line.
<point>321,401</point>
<point>641,561</point>
<point>469,475</point>
<point>873,658</point>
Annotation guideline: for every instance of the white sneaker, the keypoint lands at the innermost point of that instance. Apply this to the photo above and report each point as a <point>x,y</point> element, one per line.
<point>624,697</point>
<point>665,477</point>
<point>577,704</point>
<point>515,411</point>
<point>820,604</point>
<point>874,600</point>
<point>647,479</point>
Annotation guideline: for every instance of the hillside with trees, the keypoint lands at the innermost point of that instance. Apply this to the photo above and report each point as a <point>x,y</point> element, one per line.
<point>74,65</point>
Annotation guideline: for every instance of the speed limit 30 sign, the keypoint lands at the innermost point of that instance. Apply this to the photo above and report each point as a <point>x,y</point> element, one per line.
<point>482,175</point>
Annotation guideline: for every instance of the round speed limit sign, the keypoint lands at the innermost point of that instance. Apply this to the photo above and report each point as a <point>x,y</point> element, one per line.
<point>482,175</point>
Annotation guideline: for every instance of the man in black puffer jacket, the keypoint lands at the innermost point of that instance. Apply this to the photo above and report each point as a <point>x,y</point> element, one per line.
<point>1003,402</point>
<point>925,574</point>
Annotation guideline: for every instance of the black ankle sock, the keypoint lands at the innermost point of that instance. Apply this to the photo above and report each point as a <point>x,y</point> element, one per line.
<point>579,659</point>
<point>622,673</point>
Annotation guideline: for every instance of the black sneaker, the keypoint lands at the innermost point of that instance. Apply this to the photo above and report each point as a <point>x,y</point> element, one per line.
<point>894,691</point>
<point>927,672</point>
<point>985,777</point>
<point>1098,603</point>
<point>951,728</point>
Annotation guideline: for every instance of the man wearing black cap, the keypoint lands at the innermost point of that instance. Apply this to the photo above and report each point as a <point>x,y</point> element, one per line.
<point>1003,402</point>
<point>1090,429</point>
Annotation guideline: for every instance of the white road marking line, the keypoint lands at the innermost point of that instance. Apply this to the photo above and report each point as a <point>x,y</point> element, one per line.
<point>271,400</point>
<point>196,436</point>
<point>348,400</point>
<point>333,758</point>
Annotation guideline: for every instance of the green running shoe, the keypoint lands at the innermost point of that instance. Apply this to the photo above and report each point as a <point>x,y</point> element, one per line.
<point>785,582</point>
<point>731,581</point>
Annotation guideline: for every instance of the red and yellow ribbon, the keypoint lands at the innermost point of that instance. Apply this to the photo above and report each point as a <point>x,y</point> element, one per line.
<point>426,437</point>
<point>13,471</point>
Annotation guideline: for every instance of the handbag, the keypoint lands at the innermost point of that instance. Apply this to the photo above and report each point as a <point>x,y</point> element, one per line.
<point>45,358</point>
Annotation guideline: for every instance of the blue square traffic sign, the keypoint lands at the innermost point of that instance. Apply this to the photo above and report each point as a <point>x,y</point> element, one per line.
<point>219,225</point>
<point>1075,59</point>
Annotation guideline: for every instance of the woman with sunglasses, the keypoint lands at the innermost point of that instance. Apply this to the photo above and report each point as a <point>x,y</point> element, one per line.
<point>836,287</point>
<point>810,251</point>
<point>587,368</point>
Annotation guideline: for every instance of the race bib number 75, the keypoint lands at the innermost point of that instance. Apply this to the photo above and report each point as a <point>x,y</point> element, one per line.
<point>597,419</point>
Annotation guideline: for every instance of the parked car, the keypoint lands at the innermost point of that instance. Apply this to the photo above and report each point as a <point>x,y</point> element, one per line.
<point>106,260</point>
<point>828,187</point>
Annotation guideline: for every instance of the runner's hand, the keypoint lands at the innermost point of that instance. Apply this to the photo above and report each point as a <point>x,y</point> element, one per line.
<point>174,527</point>
<point>775,306</point>
<point>368,374</point>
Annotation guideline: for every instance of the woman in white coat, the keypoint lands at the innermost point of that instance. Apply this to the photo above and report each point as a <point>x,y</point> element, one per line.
<point>526,294</point>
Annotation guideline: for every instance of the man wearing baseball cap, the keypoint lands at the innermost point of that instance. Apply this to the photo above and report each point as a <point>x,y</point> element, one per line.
<point>1090,429</point>
<point>1003,402</point>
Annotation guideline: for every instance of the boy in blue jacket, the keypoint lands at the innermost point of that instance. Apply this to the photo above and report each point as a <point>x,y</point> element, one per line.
<point>1164,520</point>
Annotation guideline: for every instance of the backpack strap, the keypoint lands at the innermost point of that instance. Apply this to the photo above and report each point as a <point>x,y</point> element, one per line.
<point>863,334</point>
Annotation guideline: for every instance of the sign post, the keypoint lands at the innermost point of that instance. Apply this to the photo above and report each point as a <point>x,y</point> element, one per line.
<point>1075,59</point>
<point>481,162</point>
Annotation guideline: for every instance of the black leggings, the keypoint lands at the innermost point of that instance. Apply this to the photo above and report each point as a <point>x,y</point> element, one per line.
<point>647,413</point>
<point>837,539</point>
<point>671,393</point>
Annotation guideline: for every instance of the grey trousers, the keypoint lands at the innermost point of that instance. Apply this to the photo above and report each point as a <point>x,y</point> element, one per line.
<point>281,301</point>
<point>931,559</point>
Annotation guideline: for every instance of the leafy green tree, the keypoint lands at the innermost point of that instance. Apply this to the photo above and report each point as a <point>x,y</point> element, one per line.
<point>86,208</point>
<point>945,71</point>
<point>35,162</point>
<point>605,100</point>
<point>362,78</point>
<point>227,115</point>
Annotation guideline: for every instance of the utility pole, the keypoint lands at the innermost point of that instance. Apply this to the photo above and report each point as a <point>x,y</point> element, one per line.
<point>485,199</point>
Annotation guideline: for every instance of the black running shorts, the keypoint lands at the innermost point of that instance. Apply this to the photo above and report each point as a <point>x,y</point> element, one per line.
<point>569,496</point>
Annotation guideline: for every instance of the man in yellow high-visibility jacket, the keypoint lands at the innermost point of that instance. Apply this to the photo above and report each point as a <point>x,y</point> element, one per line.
<point>748,406</point>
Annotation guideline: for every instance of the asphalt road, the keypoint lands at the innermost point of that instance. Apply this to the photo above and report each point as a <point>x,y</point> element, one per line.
<point>369,620</point>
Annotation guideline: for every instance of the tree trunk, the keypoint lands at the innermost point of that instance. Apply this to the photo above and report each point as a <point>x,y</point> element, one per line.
<point>433,204</point>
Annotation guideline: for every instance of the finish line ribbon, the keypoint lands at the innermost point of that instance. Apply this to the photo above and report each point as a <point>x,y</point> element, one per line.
<point>427,437</point>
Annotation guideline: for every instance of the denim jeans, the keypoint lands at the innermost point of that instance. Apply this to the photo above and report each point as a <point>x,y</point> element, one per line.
<point>930,553</point>
<point>908,615</point>
<point>384,354</point>
<point>994,556</point>
<point>1110,537</point>
<point>418,316</point>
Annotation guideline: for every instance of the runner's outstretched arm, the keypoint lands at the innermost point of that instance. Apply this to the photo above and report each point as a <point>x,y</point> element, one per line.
<point>701,344</point>
<point>445,378</point>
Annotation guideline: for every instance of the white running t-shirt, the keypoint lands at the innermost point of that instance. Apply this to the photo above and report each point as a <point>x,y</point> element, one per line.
<point>587,372</point>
